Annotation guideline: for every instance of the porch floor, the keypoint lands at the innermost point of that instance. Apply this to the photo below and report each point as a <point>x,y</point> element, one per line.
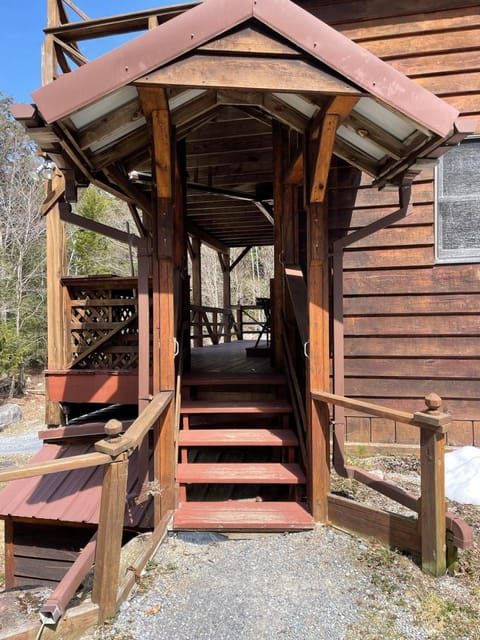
<point>229,359</point>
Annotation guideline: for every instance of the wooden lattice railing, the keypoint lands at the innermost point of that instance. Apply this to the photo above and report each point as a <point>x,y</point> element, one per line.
<point>102,322</point>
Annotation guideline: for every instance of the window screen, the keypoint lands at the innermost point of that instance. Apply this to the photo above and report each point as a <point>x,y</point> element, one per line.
<point>458,204</point>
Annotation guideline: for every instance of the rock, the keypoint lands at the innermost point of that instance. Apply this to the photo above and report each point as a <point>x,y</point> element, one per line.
<point>9,414</point>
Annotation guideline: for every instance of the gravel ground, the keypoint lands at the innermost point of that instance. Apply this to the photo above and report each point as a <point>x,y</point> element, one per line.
<point>301,586</point>
<point>322,584</point>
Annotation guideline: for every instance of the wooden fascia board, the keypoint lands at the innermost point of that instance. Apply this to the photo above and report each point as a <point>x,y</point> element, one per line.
<point>140,56</point>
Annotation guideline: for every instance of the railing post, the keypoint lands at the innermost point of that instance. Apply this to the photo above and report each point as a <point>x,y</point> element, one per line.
<point>240,323</point>
<point>109,541</point>
<point>433,509</point>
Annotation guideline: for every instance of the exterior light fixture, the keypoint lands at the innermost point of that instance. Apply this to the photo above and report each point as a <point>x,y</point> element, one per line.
<point>47,169</point>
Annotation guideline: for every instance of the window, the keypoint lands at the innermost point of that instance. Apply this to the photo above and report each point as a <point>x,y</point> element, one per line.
<point>458,204</point>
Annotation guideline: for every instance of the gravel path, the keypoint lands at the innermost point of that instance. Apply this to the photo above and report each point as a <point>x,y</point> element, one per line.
<point>302,586</point>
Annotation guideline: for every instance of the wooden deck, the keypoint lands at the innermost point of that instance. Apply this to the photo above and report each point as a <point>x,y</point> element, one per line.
<point>229,360</point>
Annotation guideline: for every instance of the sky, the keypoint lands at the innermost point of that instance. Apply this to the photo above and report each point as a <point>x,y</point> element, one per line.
<point>21,38</point>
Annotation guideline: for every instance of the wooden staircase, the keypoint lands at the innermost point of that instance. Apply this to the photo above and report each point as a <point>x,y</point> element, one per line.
<point>238,462</point>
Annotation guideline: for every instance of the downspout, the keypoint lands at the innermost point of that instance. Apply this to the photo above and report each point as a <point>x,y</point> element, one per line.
<point>405,209</point>
<point>56,605</point>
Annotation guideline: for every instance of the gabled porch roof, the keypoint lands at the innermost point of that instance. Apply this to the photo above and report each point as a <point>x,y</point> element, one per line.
<point>230,67</point>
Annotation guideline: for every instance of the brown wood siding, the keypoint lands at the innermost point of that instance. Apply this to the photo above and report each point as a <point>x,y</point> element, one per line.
<point>44,553</point>
<point>411,326</point>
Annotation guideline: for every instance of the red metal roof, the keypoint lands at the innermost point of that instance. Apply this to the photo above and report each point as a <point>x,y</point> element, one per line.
<point>68,496</point>
<point>203,22</point>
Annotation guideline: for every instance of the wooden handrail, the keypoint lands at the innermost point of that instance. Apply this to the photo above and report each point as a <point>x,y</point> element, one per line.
<point>134,436</point>
<point>432,511</point>
<point>30,470</point>
<point>418,419</point>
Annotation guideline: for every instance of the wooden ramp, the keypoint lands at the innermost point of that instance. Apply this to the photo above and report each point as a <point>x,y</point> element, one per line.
<point>238,462</point>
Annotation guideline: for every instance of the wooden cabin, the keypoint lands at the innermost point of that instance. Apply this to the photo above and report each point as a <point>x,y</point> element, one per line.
<point>340,133</point>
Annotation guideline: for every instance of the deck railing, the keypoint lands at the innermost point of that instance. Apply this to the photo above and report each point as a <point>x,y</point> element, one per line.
<point>212,325</point>
<point>433,520</point>
<point>113,454</point>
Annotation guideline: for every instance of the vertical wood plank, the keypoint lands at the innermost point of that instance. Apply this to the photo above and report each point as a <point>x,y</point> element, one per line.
<point>109,540</point>
<point>9,554</point>
<point>432,461</point>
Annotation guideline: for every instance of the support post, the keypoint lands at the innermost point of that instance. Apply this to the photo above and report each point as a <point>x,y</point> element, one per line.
<point>227,294</point>
<point>197,289</point>
<point>318,362</point>
<point>57,321</point>
<point>279,152</point>
<point>109,541</point>
<point>432,513</point>
<point>155,103</point>
<point>144,391</point>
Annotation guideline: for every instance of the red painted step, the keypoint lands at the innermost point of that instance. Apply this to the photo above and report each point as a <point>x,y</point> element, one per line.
<point>200,380</point>
<point>237,438</point>
<point>234,406</point>
<point>240,473</point>
<point>242,516</point>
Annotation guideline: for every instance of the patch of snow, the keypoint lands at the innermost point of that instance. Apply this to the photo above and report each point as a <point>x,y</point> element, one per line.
<point>462,475</point>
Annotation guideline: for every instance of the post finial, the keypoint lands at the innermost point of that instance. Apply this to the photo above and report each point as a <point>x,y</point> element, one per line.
<point>433,402</point>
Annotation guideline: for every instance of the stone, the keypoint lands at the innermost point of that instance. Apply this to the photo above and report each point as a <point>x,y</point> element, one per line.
<point>9,414</point>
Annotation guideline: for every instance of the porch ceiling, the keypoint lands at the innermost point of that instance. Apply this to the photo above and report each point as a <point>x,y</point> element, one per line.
<point>228,73</point>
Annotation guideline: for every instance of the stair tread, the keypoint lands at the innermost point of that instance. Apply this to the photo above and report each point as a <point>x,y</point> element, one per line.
<point>238,437</point>
<point>211,380</point>
<point>242,515</point>
<point>240,473</point>
<point>235,406</point>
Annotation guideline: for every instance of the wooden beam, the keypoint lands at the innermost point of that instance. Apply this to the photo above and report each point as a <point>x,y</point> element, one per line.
<point>323,158</point>
<point>194,230</point>
<point>294,174</point>
<point>240,257</point>
<point>251,73</point>
<point>280,147</point>
<point>107,125</point>
<point>67,215</point>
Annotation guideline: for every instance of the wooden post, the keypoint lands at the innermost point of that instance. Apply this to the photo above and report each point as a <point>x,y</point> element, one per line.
<point>58,350</point>
<point>279,153</point>
<point>227,294</point>
<point>49,56</point>
<point>432,513</point>
<point>318,157</point>
<point>318,362</point>
<point>144,391</point>
<point>109,541</point>
<point>155,104</point>
<point>197,289</point>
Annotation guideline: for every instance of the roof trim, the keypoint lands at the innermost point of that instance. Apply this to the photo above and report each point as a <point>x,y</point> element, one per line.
<point>185,32</point>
